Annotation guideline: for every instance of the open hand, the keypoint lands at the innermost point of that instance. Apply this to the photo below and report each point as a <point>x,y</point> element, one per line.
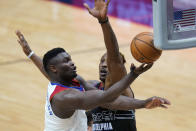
<point>21,40</point>
<point>142,68</point>
<point>100,9</point>
<point>154,102</point>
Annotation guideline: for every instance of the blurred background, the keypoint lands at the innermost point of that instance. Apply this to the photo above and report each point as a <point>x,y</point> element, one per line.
<point>65,23</point>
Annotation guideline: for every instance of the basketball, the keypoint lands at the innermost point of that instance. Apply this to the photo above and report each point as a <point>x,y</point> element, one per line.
<point>142,48</point>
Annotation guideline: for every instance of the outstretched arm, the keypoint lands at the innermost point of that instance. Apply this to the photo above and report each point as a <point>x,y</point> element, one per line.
<point>127,103</point>
<point>27,50</point>
<point>72,100</point>
<point>115,63</point>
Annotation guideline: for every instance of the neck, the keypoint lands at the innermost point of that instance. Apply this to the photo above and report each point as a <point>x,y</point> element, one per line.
<point>103,84</point>
<point>65,83</point>
<point>61,81</point>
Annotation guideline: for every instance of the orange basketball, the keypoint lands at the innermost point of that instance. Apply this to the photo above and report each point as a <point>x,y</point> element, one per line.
<point>142,48</point>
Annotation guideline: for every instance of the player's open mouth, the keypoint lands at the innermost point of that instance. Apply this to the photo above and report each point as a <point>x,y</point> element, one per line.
<point>74,69</point>
<point>103,72</point>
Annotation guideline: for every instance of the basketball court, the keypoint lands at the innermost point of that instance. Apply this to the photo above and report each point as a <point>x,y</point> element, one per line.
<point>46,25</point>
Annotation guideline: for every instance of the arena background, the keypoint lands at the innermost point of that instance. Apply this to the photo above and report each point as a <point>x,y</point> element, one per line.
<point>49,24</point>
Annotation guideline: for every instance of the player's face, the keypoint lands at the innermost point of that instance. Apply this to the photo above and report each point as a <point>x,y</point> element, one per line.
<point>103,70</point>
<point>65,66</point>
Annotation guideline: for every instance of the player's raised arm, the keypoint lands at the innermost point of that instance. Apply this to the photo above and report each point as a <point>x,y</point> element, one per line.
<point>100,12</point>
<point>115,61</point>
<point>113,55</point>
<point>30,54</point>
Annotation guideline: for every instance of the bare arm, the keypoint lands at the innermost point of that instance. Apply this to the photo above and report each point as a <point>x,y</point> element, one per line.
<point>115,64</point>
<point>127,103</point>
<point>73,99</point>
<point>27,50</point>
<point>38,62</point>
<point>76,100</point>
<point>88,85</point>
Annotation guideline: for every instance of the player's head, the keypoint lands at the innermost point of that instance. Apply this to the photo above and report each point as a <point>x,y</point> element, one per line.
<point>103,69</point>
<point>57,63</point>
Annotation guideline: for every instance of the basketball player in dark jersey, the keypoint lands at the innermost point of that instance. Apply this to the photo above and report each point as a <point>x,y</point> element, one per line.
<point>120,120</point>
<point>112,66</point>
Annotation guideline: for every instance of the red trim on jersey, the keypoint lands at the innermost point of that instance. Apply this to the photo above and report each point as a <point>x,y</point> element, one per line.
<point>60,88</point>
<point>75,82</point>
<point>101,86</point>
<point>57,90</point>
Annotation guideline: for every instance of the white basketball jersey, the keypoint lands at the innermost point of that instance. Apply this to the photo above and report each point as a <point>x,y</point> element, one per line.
<point>77,122</point>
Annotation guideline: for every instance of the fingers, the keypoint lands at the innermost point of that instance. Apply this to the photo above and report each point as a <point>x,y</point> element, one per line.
<point>142,65</point>
<point>87,7</point>
<point>163,106</point>
<point>148,66</point>
<point>19,42</point>
<point>132,67</point>
<point>21,38</point>
<point>165,101</point>
<point>107,3</point>
<point>20,35</point>
<point>157,102</point>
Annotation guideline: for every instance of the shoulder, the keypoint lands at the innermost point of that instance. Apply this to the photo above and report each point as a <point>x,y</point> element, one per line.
<point>67,99</point>
<point>66,95</point>
<point>63,103</point>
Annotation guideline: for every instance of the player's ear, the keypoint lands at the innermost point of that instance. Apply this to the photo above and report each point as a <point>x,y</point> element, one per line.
<point>52,68</point>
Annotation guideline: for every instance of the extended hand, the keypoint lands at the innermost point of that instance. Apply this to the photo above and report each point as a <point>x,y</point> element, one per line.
<point>25,46</point>
<point>100,9</point>
<point>142,68</point>
<point>154,102</point>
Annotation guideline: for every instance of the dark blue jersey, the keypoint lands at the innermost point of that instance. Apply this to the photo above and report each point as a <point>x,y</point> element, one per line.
<point>108,120</point>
